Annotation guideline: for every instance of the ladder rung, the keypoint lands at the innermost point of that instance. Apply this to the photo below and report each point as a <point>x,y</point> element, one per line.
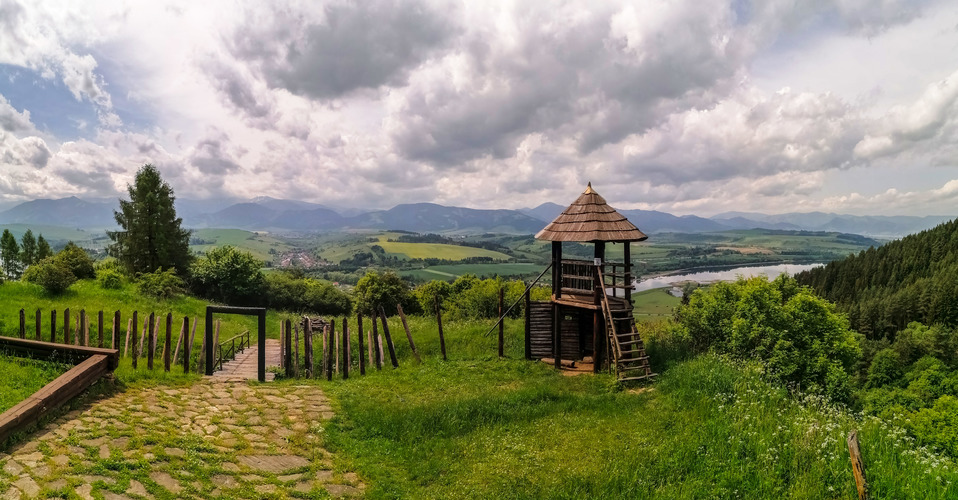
<point>629,360</point>
<point>641,377</point>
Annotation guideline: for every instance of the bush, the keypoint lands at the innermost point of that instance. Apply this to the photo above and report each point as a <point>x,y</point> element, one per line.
<point>427,293</point>
<point>110,279</point>
<point>305,295</point>
<point>161,284</point>
<point>386,290</point>
<point>799,336</point>
<point>77,261</point>
<point>229,276</point>
<point>51,274</point>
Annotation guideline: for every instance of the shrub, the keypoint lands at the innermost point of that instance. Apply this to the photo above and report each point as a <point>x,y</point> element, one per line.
<point>427,293</point>
<point>305,295</point>
<point>77,261</point>
<point>229,276</point>
<point>161,284</point>
<point>386,290</point>
<point>885,368</point>
<point>110,279</point>
<point>799,336</point>
<point>51,274</point>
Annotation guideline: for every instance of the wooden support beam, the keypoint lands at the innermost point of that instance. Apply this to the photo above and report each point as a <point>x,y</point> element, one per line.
<point>858,465</point>
<point>442,337</point>
<point>362,359</point>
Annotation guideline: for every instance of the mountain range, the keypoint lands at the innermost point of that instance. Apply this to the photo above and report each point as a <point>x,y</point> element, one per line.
<point>271,214</point>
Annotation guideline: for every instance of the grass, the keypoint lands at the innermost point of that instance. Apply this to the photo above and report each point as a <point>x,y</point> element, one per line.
<point>23,377</point>
<point>654,305</point>
<point>258,244</point>
<point>481,427</point>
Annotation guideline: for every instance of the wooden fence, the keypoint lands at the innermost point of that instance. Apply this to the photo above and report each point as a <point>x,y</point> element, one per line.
<point>335,350</point>
<point>153,341</point>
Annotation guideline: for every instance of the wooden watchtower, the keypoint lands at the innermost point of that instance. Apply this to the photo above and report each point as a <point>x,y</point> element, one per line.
<point>590,311</point>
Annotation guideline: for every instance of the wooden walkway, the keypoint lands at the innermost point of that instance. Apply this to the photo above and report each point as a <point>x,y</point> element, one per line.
<point>244,366</point>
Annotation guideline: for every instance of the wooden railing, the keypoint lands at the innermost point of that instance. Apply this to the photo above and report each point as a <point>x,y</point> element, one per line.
<point>578,276</point>
<point>226,351</point>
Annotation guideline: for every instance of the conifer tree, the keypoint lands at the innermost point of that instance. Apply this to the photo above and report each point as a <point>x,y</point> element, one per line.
<point>28,249</point>
<point>43,248</point>
<point>10,254</point>
<point>151,237</point>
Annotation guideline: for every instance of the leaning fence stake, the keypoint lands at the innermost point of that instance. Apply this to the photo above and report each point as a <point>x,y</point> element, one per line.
<point>858,465</point>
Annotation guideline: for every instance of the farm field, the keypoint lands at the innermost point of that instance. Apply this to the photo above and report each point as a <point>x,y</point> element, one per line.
<point>448,272</point>
<point>258,244</point>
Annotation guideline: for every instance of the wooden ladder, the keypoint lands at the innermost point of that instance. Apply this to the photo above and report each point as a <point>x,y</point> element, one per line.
<point>631,361</point>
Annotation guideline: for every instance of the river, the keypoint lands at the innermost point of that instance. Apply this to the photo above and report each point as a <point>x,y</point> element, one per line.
<point>722,275</point>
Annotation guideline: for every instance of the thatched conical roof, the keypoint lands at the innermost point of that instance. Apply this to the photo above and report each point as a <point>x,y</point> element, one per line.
<point>590,218</point>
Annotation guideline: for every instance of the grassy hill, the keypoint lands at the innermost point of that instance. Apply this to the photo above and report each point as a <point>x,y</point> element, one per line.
<point>258,244</point>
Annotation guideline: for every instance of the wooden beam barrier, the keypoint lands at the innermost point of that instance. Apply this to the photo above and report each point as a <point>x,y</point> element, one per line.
<point>54,394</point>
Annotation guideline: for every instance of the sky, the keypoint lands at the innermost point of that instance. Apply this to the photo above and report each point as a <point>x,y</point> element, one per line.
<point>689,107</point>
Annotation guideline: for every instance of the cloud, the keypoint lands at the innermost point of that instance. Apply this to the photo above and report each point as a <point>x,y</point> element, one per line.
<point>44,38</point>
<point>13,121</point>
<point>361,45</point>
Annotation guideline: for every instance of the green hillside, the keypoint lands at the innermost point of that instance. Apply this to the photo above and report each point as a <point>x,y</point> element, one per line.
<point>257,243</point>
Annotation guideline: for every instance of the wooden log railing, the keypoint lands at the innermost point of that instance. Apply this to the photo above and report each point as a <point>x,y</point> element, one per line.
<point>226,351</point>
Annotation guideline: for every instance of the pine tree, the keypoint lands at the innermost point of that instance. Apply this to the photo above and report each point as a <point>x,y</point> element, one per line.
<point>28,249</point>
<point>10,253</point>
<point>151,236</point>
<point>43,248</point>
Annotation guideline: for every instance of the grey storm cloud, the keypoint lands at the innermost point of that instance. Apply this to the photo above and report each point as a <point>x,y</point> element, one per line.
<point>211,158</point>
<point>589,80</point>
<point>362,45</point>
<point>238,90</point>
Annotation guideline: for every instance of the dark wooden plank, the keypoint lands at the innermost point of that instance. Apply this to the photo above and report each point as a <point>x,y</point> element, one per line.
<point>288,361</point>
<point>99,329</point>
<point>39,337</point>
<point>377,347</point>
<point>53,325</point>
<point>169,340</point>
<point>151,343</point>
<point>23,324</point>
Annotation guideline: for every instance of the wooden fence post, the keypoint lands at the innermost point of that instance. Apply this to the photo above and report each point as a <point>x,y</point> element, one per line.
<point>442,338</point>
<point>377,347</point>
<point>201,359</point>
<point>135,355</point>
<point>39,337</point>
<point>296,351</point>
<point>116,330</point>
<point>53,325</point>
<point>362,359</point>
<point>858,465</point>
<point>331,334</point>
<point>282,344</point>
<point>23,324</point>
<point>156,336</point>
<point>389,340</point>
<point>82,335</point>
<point>126,345</point>
<point>347,359</point>
<point>151,343</point>
<point>289,345</point>
<point>335,344</point>
<point>325,357</point>
<point>169,340</point>
<point>502,321</point>
<point>99,328</point>
<point>528,325</point>
<point>217,350</point>
<point>66,326</point>
<point>405,326</point>
<point>184,330</point>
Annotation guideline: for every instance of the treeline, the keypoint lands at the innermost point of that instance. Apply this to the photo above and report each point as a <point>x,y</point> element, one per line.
<point>884,289</point>
<point>17,256</point>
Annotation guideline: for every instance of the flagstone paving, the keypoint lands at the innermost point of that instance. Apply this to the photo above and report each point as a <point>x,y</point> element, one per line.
<point>208,440</point>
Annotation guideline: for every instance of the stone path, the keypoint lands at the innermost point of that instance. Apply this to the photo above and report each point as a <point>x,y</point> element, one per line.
<point>245,365</point>
<point>208,440</point>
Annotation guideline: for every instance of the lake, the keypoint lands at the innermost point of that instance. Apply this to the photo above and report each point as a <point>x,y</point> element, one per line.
<point>722,275</point>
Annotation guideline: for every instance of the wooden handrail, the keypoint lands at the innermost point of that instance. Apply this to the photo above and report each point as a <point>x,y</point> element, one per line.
<point>519,299</point>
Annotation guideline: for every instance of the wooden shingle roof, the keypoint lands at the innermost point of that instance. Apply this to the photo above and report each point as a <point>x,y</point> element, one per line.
<point>590,218</point>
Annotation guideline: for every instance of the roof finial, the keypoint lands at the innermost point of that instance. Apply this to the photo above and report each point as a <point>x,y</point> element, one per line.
<point>588,190</point>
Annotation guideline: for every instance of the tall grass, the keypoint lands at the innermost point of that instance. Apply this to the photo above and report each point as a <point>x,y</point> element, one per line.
<point>23,376</point>
<point>480,427</point>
